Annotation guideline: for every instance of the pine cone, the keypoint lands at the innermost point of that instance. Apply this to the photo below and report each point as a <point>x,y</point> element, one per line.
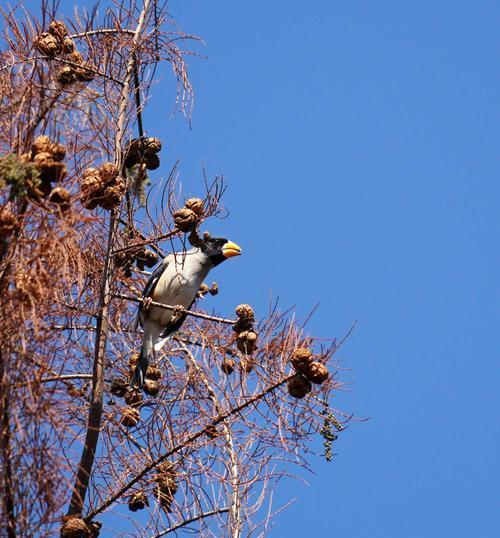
<point>48,45</point>
<point>151,387</point>
<point>119,387</point>
<point>66,75</point>
<point>301,359</point>
<point>196,205</point>
<point>185,219</point>
<point>227,366</point>
<point>137,501</point>
<point>299,386</point>
<point>58,30</point>
<point>246,342</point>
<point>130,417</point>
<point>75,528</point>
<point>61,197</point>
<point>317,372</point>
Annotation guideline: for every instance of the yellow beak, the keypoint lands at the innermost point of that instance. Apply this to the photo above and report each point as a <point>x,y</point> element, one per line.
<point>230,249</point>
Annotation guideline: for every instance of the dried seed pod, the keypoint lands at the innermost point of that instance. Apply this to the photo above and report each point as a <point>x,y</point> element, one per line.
<point>68,45</point>
<point>246,318</point>
<point>66,75</point>
<point>108,172</point>
<point>42,157</point>
<point>185,219</point>
<point>41,144</point>
<point>133,398</point>
<point>76,58</point>
<point>214,289</point>
<point>151,387</point>
<point>227,366</point>
<point>130,417</point>
<point>147,258</point>
<point>73,391</point>
<point>167,484</point>
<point>49,170</point>
<point>166,469</point>
<point>166,494</point>
<point>152,145</point>
<point>246,342</point>
<point>61,197</point>
<point>119,387</point>
<point>152,161</point>
<point>113,194</point>
<point>301,359</point>
<point>58,151</point>
<point>299,386</point>
<point>90,172</point>
<point>58,30</point>
<point>94,528</point>
<point>86,72</point>
<point>92,187</point>
<point>133,360</point>
<point>153,372</point>
<point>75,528</point>
<point>8,222</point>
<point>246,365</point>
<point>317,372</point>
<point>48,45</point>
<point>212,432</point>
<point>196,205</point>
<point>137,501</point>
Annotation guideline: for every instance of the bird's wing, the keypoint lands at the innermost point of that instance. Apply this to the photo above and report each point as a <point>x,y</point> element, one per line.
<point>153,279</point>
<point>150,286</point>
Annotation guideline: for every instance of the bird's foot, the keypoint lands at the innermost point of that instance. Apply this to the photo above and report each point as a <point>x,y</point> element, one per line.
<point>146,303</point>
<point>177,312</point>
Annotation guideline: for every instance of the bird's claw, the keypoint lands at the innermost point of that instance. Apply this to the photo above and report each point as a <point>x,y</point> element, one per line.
<point>146,303</point>
<point>177,312</point>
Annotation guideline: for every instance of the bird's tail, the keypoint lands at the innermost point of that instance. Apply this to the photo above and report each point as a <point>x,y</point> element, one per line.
<point>145,356</point>
<point>140,371</point>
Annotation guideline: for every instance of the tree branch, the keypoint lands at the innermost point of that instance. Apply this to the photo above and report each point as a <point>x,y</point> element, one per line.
<point>175,307</point>
<point>191,520</point>
<point>177,448</point>
<point>95,411</point>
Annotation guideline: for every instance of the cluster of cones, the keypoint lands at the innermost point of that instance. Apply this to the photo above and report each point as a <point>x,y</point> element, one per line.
<point>120,387</point>
<point>57,44</point>
<point>308,371</point>
<point>246,340</point>
<point>166,487</point>
<point>46,158</point>
<point>102,187</point>
<point>8,223</point>
<point>143,151</point>
<point>166,480</point>
<point>187,218</point>
<point>140,255</point>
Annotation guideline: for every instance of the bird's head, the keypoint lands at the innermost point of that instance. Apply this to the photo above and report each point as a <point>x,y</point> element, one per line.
<point>219,249</point>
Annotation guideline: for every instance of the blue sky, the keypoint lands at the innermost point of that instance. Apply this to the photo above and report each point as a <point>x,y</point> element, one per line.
<point>361,145</point>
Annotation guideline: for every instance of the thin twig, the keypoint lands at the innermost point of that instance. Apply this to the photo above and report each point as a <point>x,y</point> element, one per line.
<point>176,308</point>
<point>177,448</point>
<point>65,377</point>
<point>233,465</point>
<point>96,405</point>
<point>191,520</point>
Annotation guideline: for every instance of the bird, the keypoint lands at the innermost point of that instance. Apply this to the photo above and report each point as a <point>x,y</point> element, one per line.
<point>175,281</point>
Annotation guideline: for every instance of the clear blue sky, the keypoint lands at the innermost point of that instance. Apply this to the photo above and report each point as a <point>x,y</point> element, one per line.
<point>361,144</point>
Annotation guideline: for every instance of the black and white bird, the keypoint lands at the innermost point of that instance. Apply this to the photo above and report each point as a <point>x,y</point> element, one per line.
<point>176,282</point>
